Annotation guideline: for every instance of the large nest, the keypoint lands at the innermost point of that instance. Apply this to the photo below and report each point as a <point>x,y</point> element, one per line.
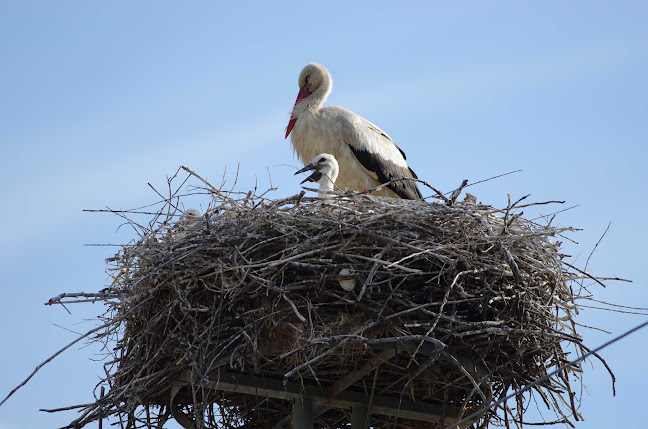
<point>453,307</point>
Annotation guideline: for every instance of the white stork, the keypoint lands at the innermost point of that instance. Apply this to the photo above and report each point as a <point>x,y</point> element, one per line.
<point>188,218</point>
<point>326,171</point>
<point>367,155</point>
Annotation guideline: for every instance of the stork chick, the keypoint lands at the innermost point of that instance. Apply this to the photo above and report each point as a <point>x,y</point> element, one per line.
<point>190,215</point>
<point>326,171</point>
<point>367,155</point>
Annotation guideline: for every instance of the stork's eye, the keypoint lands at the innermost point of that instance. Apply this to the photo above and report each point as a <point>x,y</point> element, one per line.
<point>307,78</point>
<point>321,160</point>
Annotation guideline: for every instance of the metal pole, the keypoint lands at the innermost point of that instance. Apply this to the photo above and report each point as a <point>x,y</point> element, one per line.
<point>303,413</point>
<point>358,417</point>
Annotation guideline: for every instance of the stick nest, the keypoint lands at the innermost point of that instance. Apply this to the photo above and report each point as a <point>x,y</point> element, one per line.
<point>453,306</point>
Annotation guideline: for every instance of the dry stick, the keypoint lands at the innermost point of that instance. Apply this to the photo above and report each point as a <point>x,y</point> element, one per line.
<point>494,177</point>
<point>540,204</point>
<point>130,222</point>
<point>186,179</point>
<point>103,390</point>
<point>456,192</point>
<point>97,296</point>
<point>296,199</point>
<point>379,187</point>
<point>512,206</point>
<point>92,331</point>
<point>113,211</point>
<point>370,277</point>
<point>509,258</point>
<point>52,357</point>
<point>238,169</point>
<point>386,263</point>
<point>71,407</point>
<point>439,193</point>
<point>166,200</point>
<point>616,305</point>
<point>467,374</point>
<point>594,249</point>
<point>442,196</point>
<point>79,301</point>
<point>547,376</point>
<point>438,316</point>
<point>213,189</point>
<point>329,351</point>
<point>554,213</point>
<point>606,309</point>
<point>168,203</point>
<point>591,277</point>
<point>294,307</point>
<point>137,210</point>
<point>330,192</point>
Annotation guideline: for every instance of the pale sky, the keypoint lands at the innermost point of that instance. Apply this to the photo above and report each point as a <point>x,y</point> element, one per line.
<point>100,98</point>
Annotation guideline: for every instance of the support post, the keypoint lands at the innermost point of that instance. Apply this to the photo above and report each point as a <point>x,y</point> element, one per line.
<point>303,413</point>
<point>358,416</point>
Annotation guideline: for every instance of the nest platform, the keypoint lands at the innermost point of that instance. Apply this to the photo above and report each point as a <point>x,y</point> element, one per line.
<point>231,318</point>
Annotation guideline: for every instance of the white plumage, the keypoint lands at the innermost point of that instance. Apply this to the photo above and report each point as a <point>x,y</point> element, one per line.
<point>190,215</point>
<point>367,156</point>
<point>326,172</point>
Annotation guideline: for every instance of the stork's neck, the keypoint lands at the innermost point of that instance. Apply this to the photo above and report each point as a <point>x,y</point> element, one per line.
<point>314,102</point>
<point>326,184</point>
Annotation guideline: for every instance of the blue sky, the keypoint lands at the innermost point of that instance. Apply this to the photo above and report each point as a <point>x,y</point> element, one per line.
<point>101,98</point>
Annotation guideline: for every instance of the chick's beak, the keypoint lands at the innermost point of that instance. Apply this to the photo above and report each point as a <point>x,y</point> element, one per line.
<point>315,177</point>
<point>309,167</point>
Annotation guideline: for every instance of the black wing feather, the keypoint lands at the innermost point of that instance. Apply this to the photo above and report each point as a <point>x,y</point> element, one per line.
<point>386,171</point>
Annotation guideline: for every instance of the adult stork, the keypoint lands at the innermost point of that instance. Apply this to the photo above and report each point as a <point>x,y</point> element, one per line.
<point>326,171</point>
<point>366,154</point>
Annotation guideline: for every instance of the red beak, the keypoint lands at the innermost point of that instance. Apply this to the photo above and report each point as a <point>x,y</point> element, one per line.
<point>303,93</point>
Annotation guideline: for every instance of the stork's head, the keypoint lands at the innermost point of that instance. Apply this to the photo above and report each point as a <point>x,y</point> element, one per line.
<point>315,85</point>
<point>315,77</point>
<point>326,169</point>
<point>190,215</point>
